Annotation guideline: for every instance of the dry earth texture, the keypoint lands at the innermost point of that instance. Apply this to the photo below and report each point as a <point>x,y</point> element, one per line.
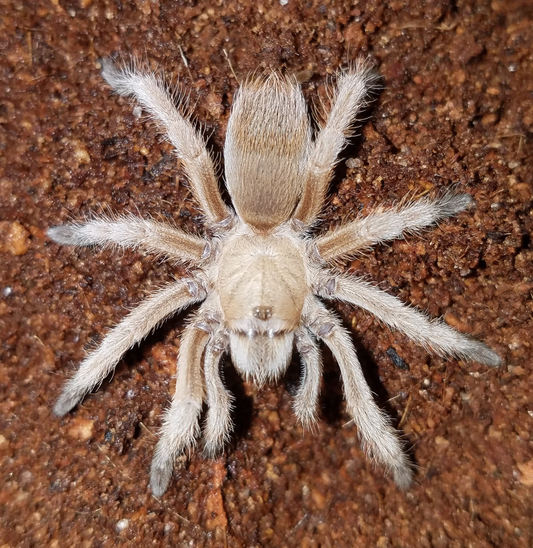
<point>457,109</point>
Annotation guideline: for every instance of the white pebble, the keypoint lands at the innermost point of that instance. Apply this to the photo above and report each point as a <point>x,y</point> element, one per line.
<point>121,525</point>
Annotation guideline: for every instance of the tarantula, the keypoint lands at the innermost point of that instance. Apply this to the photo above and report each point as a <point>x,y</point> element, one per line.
<point>260,277</point>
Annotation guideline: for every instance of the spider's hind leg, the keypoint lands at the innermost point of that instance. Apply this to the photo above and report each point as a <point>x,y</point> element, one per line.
<point>156,99</point>
<point>129,231</point>
<point>351,94</point>
<point>383,225</point>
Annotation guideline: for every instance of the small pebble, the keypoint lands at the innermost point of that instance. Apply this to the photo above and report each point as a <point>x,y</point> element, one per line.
<point>396,360</point>
<point>14,238</point>
<point>122,525</point>
<point>353,163</point>
<point>81,429</point>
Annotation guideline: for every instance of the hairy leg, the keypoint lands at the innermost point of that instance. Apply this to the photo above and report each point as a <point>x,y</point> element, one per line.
<point>377,436</point>
<point>306,399</point>
<point>150,91</point>
<point>134,232</point>
<point>130,331</point>
<point>353,87</point>
<point>218,423</point>
<point>432,334</point>
<point>389,224</point>
<point>181,421</point>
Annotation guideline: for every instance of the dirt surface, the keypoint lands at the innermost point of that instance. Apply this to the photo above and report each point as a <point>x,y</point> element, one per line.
<point>457,109</point>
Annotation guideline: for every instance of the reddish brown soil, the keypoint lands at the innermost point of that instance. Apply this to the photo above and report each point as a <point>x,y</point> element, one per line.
<point>457,110</point>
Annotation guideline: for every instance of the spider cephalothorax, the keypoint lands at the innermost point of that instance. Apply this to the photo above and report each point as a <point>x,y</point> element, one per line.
<point>261,279</point>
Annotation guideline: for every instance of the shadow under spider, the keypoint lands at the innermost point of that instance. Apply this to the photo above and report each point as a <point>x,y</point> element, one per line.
<point>331,401</point>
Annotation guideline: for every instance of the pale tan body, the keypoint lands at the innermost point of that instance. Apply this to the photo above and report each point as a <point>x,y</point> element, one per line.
<point>259,274</point>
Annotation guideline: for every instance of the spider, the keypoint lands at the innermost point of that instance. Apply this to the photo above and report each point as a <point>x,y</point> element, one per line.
<point>259,278</point>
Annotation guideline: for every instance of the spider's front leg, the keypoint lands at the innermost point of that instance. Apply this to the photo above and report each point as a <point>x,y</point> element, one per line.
<point>181,427</point>
<point>432,334</point>
<point>306,398</point>
<point>130,331</point>
<point>218,423</point>
<point>377,436</point>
